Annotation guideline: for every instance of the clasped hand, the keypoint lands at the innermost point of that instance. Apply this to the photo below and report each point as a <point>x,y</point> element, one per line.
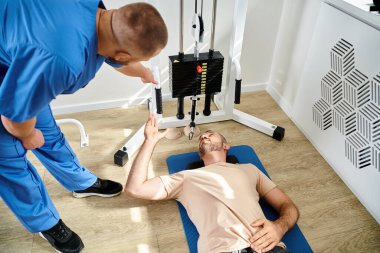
<point>268,235</point>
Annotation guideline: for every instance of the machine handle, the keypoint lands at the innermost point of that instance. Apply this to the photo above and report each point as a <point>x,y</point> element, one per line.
<point>158,100</point>
<point>237,91</point>
<point>237,81</point>
<point>207,110</point>
<point>158,93</point>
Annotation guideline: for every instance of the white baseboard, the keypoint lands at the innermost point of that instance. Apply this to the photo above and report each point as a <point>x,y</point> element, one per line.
<point>85,107</point>
<point>253,87</point>
<point>285,106</point>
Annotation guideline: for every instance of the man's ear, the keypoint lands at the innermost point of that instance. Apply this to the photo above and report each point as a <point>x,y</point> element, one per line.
<point>123,57</point>
<point>226,147</point>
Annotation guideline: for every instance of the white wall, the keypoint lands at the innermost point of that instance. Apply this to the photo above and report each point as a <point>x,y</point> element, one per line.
<point>336,144</point>
<point>294,36</point>
<point>297,26</point>
<point>111,89</point>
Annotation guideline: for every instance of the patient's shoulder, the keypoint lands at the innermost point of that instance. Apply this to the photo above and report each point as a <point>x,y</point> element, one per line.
<point>247,166</point>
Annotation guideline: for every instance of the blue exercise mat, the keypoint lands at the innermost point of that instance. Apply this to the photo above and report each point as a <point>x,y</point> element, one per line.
<point>294,239</point>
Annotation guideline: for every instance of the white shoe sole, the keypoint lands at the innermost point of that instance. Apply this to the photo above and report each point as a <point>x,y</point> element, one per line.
<point>47,240</point>
<point>85,195</point>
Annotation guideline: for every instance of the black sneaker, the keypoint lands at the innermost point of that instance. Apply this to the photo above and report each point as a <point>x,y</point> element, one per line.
<point>102,188</point>
<point>63,239</point>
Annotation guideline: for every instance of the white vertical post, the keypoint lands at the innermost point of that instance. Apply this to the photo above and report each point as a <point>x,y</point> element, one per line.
<point>155,68</point>
<point>236,43</point>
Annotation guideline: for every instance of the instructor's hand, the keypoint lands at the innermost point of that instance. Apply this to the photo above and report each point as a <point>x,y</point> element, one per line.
<point>34,140</point>
<point>148,77</point>
<point>151,132</point>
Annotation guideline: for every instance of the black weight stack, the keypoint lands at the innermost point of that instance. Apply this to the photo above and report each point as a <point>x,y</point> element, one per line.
<point>190,76</point>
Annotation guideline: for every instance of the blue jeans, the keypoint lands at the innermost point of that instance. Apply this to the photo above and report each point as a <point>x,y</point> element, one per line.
<point>21,187</point>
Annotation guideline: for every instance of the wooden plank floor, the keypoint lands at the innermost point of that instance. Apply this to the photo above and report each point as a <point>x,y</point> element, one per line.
<point>332,219</point>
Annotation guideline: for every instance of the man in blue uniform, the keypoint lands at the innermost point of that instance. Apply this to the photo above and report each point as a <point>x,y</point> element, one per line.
<point>52,47</point>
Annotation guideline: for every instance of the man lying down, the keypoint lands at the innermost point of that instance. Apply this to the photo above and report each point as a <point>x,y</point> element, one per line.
<point>221,199</point>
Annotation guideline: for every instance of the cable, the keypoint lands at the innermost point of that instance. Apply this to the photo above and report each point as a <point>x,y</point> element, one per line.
<point>181,27</point>
<point>201,8</point>
<point>213,25</point>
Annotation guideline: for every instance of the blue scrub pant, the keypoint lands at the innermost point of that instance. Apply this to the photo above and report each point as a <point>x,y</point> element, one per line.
<point>21,187</point>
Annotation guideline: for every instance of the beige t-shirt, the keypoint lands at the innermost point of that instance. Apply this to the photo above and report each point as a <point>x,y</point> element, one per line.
<point>222,201</point>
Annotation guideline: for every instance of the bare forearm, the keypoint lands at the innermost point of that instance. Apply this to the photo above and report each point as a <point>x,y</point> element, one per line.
<point>271,232</point>
<point>19,130</point>
<point>288,216</point>
<point>138,185</point>
<point>135,70</point>
<point>139,170</point>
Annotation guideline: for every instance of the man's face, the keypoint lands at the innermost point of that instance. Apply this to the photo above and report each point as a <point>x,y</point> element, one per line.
<point>210,141</point>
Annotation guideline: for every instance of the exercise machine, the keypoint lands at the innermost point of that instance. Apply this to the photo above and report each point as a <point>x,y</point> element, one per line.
<point>201,74</point>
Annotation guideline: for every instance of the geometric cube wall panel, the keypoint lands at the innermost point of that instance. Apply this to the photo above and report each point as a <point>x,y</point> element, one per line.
<point>344,118</point>
<point>356,88</point>
<point>369,122</point>
<point>376,156</point>
<point>375,90</point>
<point>358,151</point>
<point>322,114</point>
<point>331,88</point>
<point>342,58</point>
<point>350,101</point>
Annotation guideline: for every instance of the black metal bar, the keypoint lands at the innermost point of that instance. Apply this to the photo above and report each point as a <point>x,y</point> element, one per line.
<point>193,109</point>
<point>180,56</point>
<point>180,108</point>
<point>237,91</point>
<point>210,53</point>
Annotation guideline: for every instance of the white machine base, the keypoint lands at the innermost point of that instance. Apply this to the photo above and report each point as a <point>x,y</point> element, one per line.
<point>84,138</point>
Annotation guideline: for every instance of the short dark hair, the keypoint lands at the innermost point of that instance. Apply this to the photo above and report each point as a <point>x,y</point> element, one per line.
<point>142,25</point>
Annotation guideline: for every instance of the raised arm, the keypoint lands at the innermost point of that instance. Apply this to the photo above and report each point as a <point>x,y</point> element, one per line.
<point>271,233</point>
<point>138,185</point>
<point>138,70</point>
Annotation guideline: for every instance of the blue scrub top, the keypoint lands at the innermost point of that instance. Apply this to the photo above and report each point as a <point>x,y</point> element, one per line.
<point>47,48</point>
